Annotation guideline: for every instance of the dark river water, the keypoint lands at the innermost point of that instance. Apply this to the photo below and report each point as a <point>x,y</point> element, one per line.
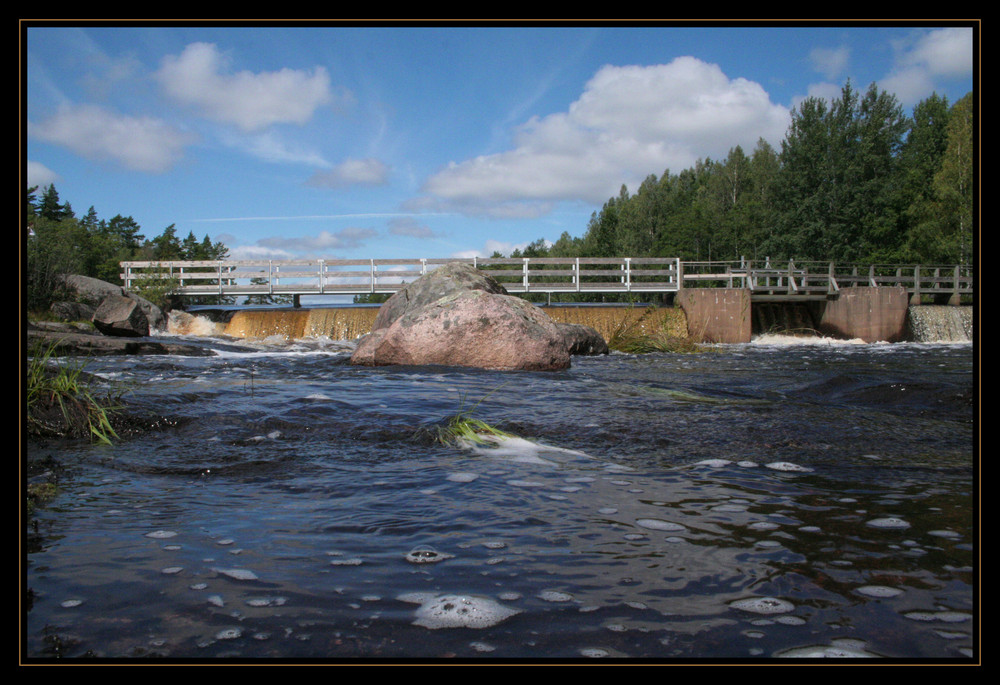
<point>775,499</point>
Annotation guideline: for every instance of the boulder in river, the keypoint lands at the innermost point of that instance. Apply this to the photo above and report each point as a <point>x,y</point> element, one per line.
<point>121,316</point>
<point>459,316</point>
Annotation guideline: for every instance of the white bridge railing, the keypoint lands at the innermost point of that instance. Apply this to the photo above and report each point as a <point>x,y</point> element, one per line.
<point>799,280</point>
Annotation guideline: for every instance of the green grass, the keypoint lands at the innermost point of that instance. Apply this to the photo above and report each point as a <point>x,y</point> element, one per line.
<point>60,404</point>
<point>463,427</point>
<point>631,336</point>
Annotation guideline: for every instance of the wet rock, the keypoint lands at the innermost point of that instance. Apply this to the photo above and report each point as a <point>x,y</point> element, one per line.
<point>431,287</point>
<point>93,291</point>
<point>121,316</point>
<point>469,328</point>
<point>582,340</point>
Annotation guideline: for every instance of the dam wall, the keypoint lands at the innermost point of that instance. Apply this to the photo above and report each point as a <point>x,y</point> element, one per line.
<point>872,314</point>
<point>715,315</point>
<point>718,315</point>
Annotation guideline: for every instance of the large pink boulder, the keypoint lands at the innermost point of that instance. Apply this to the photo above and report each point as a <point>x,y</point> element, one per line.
<point>447,279</point>
<point>468,328</point>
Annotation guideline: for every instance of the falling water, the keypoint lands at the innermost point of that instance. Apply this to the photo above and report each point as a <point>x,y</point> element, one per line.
<point>941,323</point>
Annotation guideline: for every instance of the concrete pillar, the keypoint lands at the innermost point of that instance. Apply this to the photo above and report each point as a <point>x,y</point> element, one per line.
<point>873,314</point>
<point>720,315</point>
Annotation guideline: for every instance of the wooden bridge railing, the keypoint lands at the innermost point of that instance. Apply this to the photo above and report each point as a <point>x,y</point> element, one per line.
<point>765,279</point>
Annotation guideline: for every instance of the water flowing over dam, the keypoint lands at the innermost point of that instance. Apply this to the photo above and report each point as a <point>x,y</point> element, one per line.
<point>941,323</point>
<point>926,323</point>
<point>349,323</point>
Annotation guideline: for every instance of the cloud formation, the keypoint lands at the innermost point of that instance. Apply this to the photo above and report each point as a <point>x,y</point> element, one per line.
<point>921,63</point>
<point>137,143</point>
<point>345,239</point>
<point>352,172</point>
<point>199,77</point>
<point>629,122</point>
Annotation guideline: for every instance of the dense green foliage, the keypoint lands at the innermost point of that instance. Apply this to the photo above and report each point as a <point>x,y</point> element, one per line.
<point>59,242</point>
<point>855,181</point>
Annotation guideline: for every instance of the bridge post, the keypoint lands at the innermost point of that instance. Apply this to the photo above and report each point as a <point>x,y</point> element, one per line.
<point>915,297</point>
<point>956,295</point>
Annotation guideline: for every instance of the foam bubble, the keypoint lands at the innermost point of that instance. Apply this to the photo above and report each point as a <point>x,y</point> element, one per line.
<point>763,605</point>
<point>889,522</point>
<point>161,534</point>
<point>555,596</point>
<point>462,477</point>
<point>788,467</point>
<point>713,463</point>
<point>237,573</point>
<point>659,524</point>
<point>425,554</point>
<point>457,611</point>
<point>878,591</point>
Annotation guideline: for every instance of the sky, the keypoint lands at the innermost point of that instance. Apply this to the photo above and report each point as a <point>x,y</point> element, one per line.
<point>410,141</point>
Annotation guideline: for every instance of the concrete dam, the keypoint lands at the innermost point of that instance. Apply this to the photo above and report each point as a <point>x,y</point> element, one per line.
<point>703,315</point>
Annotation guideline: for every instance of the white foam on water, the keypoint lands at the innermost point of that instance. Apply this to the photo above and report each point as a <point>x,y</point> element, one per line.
<point>425,554</point>
<point>881,591</point>
<point>890,522</point>
<point>788,466</point>
<point>237,573</point>
<point>838,649</point>
<point>462,477</point>
<point>713,463</point>
<point>555,596</point>
<point>660,524</point>
<point>778,340</point>
<point>763,605</point>
<point>522,451</point>
<point>457,611</point>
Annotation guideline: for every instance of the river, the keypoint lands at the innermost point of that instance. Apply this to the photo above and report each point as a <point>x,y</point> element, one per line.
<point>782,498</point>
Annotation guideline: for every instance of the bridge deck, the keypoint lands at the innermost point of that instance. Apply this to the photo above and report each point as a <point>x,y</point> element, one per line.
<point>766,282</point>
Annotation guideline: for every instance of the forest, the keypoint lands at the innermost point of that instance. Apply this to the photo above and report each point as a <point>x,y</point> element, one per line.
<point>59,242</point>
<point>856,180</point>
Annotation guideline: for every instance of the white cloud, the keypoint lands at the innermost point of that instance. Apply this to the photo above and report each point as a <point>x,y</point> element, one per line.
<point>408,226</point>
<point>830,62</point>
<point>343,239</point>
<point>40,175</point>
<point>629,122</point>
<point>923,61</point>
<point>250,101</point>
<point>943,52</point>
<point>137,143</point>
<point>352,172</point>
<point>270,148</point>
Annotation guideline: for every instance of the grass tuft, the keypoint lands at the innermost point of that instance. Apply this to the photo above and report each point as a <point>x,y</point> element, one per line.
<point>59,403</point>
<point>631,336</point>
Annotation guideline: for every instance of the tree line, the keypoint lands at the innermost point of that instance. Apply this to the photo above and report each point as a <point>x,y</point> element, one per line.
<point>60,242</point>
<point>855,181</point>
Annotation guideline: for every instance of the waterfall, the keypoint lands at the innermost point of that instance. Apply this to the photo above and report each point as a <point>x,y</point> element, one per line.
<point>940,323</point>
<point>336,323</point>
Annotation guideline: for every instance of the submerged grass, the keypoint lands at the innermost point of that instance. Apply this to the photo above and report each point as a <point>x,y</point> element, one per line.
<point>631,336</point>
<point>463,427</point>
<point>60,404</point>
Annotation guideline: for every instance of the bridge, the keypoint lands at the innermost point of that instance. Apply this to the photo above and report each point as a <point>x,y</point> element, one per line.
<point>766,281</point>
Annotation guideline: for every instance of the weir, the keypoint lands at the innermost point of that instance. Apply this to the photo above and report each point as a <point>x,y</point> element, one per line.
<point>349,323</point>
<point>727,317</point>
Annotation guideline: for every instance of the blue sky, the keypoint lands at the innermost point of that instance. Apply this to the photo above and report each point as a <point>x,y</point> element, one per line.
<point>379,142</point>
